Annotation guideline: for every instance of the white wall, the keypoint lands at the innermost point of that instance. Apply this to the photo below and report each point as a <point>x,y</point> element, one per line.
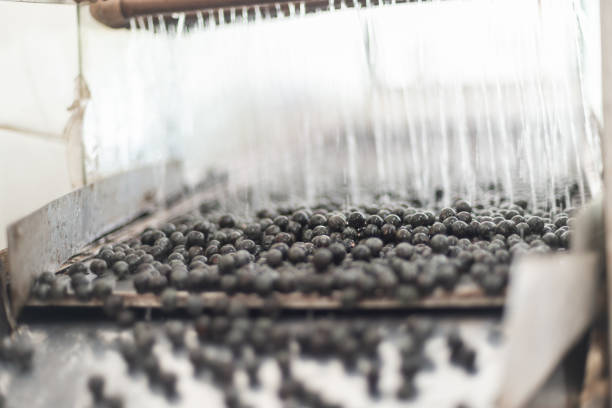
<point>38,50</point>
<point>34,171</point>
<point>38,66</point>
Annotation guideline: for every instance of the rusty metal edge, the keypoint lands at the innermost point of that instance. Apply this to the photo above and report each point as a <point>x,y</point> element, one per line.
<point>47,238</point>
<point>4,322</point>
<point>595,387</point>
<point>295,301</point>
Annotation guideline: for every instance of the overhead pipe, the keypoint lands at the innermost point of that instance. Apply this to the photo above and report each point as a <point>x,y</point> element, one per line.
<point>117,13</point>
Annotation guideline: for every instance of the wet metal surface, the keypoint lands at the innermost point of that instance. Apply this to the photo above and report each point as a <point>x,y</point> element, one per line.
<point>295,300</point>
<point>46,238</point>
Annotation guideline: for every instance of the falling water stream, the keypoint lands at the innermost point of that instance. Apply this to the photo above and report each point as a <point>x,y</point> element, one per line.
<point>427,101</point>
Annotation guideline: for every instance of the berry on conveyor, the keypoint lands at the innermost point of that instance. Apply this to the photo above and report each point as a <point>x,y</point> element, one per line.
<point>396,250</point>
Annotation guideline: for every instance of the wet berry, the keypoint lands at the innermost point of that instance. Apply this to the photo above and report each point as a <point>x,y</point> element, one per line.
<point>322,258</point>
<point>356,220</point>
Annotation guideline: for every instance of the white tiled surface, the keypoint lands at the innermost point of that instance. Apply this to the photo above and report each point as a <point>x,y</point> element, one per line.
<point>33,171</point>
<point>38,65</point>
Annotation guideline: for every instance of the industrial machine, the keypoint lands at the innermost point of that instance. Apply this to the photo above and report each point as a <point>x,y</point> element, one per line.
<point>377,200</point>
